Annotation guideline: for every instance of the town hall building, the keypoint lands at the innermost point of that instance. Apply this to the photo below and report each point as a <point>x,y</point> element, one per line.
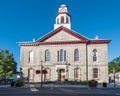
<point>64,54</point>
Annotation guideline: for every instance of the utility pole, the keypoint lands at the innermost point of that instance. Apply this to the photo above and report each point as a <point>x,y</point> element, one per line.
<point>41,73</point>
<point>87,64</point>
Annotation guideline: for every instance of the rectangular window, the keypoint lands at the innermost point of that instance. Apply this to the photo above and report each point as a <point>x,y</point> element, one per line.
<point>76,73</point>
<point>95,73</point>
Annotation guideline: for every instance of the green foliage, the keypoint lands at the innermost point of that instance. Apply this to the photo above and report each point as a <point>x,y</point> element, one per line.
<point>20,83</point>
<point>84,82</point>
<point>114,64</point>
<point>77,82</point>
<point>116,60</point>
<point>7,63</point>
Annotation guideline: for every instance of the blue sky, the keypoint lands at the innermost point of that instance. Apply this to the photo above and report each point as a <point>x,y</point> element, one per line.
<point>23,20</point>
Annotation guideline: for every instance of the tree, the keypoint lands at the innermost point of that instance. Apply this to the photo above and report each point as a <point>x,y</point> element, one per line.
<point>7,63</point>
<point>114,64</point>
<point>116,60</point>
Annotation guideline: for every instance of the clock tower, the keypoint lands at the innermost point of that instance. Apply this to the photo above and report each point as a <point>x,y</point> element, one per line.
<point>63,18</point>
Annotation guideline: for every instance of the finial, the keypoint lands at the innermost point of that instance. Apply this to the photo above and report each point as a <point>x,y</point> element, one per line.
<point>33,39</point>
<point>96,37</point>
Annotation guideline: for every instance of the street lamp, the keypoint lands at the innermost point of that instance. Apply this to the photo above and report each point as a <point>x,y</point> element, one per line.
<point>114,76</point>
<point>67,69</point>
<point>41,72</point>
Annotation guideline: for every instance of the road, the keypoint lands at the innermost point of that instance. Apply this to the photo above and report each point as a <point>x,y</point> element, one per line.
<point>32,91</point>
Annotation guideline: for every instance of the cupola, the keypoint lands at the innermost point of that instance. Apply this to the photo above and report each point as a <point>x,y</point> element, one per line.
<point>63,18</point>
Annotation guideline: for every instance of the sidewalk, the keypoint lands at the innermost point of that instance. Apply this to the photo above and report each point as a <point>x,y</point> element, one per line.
<point>70,86</point>
<point>4,86</point>
<point>62,86</point>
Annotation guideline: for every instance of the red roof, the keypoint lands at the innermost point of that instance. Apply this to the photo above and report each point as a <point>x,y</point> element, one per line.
<point>64,29</point>
<point>81,38</point>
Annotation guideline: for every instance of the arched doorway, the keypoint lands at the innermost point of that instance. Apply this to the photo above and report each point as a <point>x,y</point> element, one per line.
<point>61,75</point>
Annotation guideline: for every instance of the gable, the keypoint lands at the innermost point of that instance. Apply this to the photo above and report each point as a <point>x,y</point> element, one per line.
<point>62,34</point>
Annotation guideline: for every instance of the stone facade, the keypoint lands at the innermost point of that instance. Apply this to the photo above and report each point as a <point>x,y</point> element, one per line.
<point>62,62</point>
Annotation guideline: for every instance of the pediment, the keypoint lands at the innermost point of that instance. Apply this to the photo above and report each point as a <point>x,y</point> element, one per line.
<point>62,34</point>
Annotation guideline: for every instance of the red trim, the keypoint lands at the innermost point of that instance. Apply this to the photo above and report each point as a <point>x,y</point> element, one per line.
<point>62,43</point>
<point>66,30</point>
<point>63,13</point>
<point>81,38</point>
<point>99,41</point>
<point>28,44</point>
<point>65,42</point>
<point>53,43</point>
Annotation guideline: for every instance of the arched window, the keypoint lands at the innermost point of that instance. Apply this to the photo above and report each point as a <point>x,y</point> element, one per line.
<point>31,57</point>
<point>95,72</point>
<point>62,19</point>
<point>94,55</point>
<point>76,55</point>
<point>47,55</point>
<point>57,20</point>
<point>61,55</point>
<point>67,20</point>
<point>64,55</point>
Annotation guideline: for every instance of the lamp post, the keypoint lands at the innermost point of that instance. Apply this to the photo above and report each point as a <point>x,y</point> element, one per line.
<point>67,70</point>
<point>41,73</point>
<point>114,76</point>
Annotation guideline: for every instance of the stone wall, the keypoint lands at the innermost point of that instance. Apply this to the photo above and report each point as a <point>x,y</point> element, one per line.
<point>39,54</point>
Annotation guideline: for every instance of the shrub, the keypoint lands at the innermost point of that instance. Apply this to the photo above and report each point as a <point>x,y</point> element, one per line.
<point>20,83</point>
<point>84,82</point>
<point>92,83</point>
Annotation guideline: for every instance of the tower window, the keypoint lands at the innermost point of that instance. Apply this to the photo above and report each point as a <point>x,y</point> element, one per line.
<point>62,19</point>
<point>67,20</point>
<point>57,20</point>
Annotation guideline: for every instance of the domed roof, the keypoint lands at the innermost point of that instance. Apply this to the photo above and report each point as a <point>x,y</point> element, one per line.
<point>63,5</point>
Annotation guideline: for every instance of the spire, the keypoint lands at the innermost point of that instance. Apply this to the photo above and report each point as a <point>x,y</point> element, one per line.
<point>63,17</point>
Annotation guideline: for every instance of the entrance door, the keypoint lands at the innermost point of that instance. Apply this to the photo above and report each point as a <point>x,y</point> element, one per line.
<point>61,75</point>
<point>31,75</point>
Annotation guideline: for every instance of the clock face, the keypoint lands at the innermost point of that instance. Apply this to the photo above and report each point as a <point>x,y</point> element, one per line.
<point>62,10</point>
